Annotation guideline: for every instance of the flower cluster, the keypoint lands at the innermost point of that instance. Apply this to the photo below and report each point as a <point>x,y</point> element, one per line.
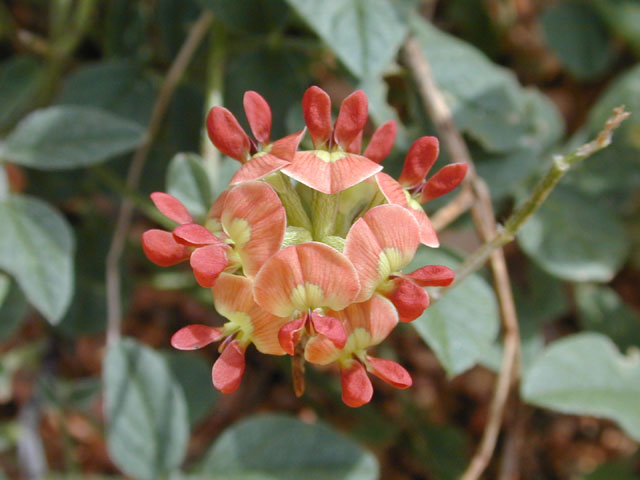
<point>304,250</point>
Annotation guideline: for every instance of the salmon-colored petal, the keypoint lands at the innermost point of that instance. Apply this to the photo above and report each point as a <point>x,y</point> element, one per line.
<point>391,189</point>
<point>330,172</point>
<point>316,108</point>
<point>194,235</point>
<point>352,118</point>
<point>260,165</point>
<point>259,116</point>
<point>357,389</point>
<point>171,207</point>
<point>228,369</point>
<point>195,336</point>
<point>255,220</point>
<point>321,351</point>
<point>381,142</point>
<point>432,276</point>
<point>162,249</point>
<point>380,243</point>
<point>389,371</point>
<point>409,299</point>
<point>286,147</point>
<point>208,263</point>
<point>420,158</point>
<point>305,276</point>
<point>227,135</point>
<point>216,209</point>
<point>356,144</point>
<point>377,317</point>
<point>428,235</point>
<point>447,178</point>
<point>289,334</point>
<point>330,327</point>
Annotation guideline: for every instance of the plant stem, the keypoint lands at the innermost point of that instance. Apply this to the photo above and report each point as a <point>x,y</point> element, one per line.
<point>296,214</point>
<point>324,208</point>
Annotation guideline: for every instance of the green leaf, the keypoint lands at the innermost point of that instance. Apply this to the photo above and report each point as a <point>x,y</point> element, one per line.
<point>147,422</point>
<point>620,470</point>
<point>69,137</point>
<point>461,327</point>
<point>13,307</point>
<point>623,17</point>
<point>602,310</point>
<point>578,36</point>
<point>364,34</point>
<point>187,180</point>
<point>20,78</point>
<point>278,447</point>
<point>249,16</point>
<point>585,374</point>
<point>37,248</point>
<point>575,238</point>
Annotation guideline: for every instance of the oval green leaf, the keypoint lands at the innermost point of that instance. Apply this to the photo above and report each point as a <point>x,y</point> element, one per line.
<point>187,180</point>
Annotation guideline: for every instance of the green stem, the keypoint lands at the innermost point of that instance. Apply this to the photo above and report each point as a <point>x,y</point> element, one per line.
<point>296,214</point>
<point>324,208</point>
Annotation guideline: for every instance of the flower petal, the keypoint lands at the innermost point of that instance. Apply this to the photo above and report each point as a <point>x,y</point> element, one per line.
<point>330,172</point>
<point>286,147</point>
<point>255,220</point>
<point>381,142</point>
<point>389,371</point>
<point>208,263</point>
<point>259,166</point>
<point>356,386</point>
<point>305,276</point>
<point>259,116</point>
<point>171,207</point>
<point>432,276</point>
<point>227,135</point>
<point>352,118</point>
<point>409,299</point>
<point>321,351</point>
<point>330,327</point>
<point>316,108</point>
<point>289,334</point>
<point>162,249</point>
<point>420,158</point>
<point>428,235</point>
<point>228,369</point>
<point>195,336</point>
<point>356,144</point>
<point>194,235</point>
<point>447,178</point>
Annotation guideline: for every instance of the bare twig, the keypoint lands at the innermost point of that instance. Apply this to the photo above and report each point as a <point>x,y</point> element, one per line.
<point>484,219</point>
<point>179,65</point>
<point>452,210</point>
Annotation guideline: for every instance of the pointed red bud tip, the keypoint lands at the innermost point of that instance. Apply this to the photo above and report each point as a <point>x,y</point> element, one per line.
<point>195,336</point>
<point>171,207</point>
<point>228,369</point>
<point>389,371</point>
<point>433,276</point>
<point>420,158</point>
<point>331,328</point>
<point>286,147</point>
<point>259,116</point>
<point>161,248</point>
<point>227,135</point>
<point>381,142</point>
<point>356,145</point>
<point>409,299</point>
<point>208,263</point>
<point>289,334</point>
<point>352,118</point>
<point>316,108</point>
<point>194,235</point>
<point>357,389</point>
<point>447,178</point>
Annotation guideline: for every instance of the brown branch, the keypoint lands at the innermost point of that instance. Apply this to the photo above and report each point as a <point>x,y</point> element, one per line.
<point>453,210</point>
<point>179,65</point>
<point>484,219</point>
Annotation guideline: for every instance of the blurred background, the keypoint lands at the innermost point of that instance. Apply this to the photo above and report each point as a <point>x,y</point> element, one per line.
<point>85,93</point>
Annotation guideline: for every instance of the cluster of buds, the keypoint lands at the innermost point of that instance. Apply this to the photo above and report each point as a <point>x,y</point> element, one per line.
<point>304,250</point>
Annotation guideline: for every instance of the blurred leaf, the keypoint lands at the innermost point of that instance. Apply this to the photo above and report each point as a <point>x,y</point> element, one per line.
<point>147,421</point>
<point>461,327</point>
<point>69,137</point>
<point>77,394</point>
<point>576,33</point>
<point>602,310</point>
<point>278,447</point>
<point>174,17</point>
<point>125,28</point>
<point>20,79</point>
<point>187,180</point>
<point>13,307</point>
<point>250,16</point>
<point>623,17</point>
<point>575,238</point>
<point>28,355</point>
<point>585,374</point>
<point>364,34</point>
<point>446,451</point>
<point>612,471</point>
<point>194,376</point>
<point>120,87</point>
<point>37,248</point>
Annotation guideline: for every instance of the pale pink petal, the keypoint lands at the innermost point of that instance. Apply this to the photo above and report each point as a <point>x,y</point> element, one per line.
<point>321,351</point>
<point>377,316</point>
<point>432,276</point>
<point>352,118</point>
<point>216,209</point>
<point>259,115</point>
<point>227,135</point>
<point>357,389</point>
<point>195,336</point>
<point>258,167</point>
<point>381,142</point>
<point>391,189</point>
<point>428,235</point>
<point>420,158</point>
<point>330,327</point>
<point>389,371</point>
<point>409,299</point>
<point>316,108</point>
<point>162,249</point>
<point>208,263</point>
<point>194,235</point>
<point>448,178</point>
<point>228,369</point>
<point>286,147</point>
<point>171,207</point>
